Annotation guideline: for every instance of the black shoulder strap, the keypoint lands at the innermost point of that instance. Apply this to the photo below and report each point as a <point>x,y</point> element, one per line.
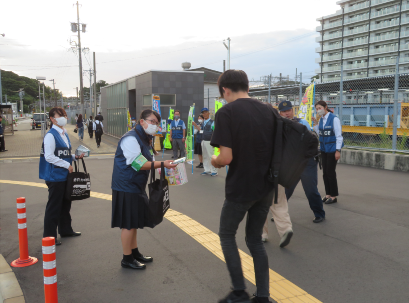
<point>276,158</point>
<point>152,172</point>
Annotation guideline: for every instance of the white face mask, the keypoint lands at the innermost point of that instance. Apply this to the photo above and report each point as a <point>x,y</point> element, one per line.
<point>321,112</point>
<point>61,121</point>
<point>151,130</point>
<point>200,121</point>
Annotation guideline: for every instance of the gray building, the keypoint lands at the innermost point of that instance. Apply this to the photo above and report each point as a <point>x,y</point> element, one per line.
<point>177,90</point>
<point>364,37</point>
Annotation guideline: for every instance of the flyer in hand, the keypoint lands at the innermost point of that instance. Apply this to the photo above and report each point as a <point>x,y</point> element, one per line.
<point>177,175</point>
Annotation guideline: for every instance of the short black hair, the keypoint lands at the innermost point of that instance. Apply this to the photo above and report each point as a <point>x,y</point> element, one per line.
<point>236,80</point>
<point>147,112</point>
<point>176,110</point>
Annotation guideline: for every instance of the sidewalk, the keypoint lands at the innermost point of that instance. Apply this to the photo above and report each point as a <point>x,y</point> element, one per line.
<point>27,143</point>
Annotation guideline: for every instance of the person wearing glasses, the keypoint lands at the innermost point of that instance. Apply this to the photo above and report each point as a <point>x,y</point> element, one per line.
<point>132,164</point>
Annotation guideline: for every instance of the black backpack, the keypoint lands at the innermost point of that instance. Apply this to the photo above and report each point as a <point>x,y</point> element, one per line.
<point>294,145</point>
<point>98,129</point>
<point>90,124</point>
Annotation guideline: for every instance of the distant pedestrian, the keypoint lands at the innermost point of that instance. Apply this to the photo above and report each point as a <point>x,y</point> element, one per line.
<point>132,164</point>
<point>90,127</point>
<point>198,140</point>
<point>178,135</point>
<point>98,127</point>
<point>244,132</point>
<point>80,127</point>
<point>2,147</point>
<point>208,150</point>
<point>100,117</point>
<point>55,165</point>
<point>331,141</point>
<point>309,177</point>
<point>76,118</point>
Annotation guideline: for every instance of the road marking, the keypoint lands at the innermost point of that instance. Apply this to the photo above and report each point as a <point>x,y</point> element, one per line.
<point>281,290</point>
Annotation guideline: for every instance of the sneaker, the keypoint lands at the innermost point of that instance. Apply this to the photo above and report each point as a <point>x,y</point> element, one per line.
<point>264,237</point>
<point>213,175</point>
<point>232,298</point>
<point>199,166</point>
<point>286,238</point>
<point>204,173</point>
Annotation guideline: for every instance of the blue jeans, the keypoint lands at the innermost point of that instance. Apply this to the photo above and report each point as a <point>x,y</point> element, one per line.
<point>81,133</point>
<point>309,180</point>
<point>232,214</point>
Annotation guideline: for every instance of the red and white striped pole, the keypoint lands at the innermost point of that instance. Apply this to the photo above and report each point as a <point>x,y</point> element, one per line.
<point>25,259</point>
<point>50,270</point>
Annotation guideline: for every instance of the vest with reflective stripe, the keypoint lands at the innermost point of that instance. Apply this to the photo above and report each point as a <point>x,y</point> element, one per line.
<point>207,131</point>
<point>328,140</point>
<point>50,172</point>
<point>124,177</point>
<point>177,130</point>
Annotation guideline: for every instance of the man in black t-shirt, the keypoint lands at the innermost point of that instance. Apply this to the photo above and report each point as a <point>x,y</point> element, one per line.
<point>244,131</point>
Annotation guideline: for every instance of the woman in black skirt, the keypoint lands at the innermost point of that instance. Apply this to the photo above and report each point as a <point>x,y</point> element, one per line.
<point>132,164</point>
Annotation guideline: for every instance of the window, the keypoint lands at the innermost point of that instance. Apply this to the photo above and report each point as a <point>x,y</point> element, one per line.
<point>165,100</point>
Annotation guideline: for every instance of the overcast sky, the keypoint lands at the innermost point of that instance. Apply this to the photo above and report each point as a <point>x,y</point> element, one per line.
<point>130,37</point>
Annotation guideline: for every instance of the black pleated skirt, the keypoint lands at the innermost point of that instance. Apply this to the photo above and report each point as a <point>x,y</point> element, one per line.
<point>130,210</point>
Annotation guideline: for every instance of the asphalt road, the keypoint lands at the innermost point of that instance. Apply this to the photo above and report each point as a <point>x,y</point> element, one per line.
<point>359,254</point>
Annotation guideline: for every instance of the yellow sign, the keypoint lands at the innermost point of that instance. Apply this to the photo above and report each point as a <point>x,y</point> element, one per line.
<point>307,103</point>
<point>217,105</point>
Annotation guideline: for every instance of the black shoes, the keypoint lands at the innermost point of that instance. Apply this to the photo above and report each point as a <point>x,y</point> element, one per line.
<point>200,166</point>
<point>286,238</point>
<point>324,199</point>
<point>256,299</point>
<point>144,259</point>
<point>3,150</point>
<point>272,219</point>
<point>133,265</point>
<point>73,234</point>
<point>232,298</point>
<point>57,243</point>
<point>318,219</point>
<point>331,201</point>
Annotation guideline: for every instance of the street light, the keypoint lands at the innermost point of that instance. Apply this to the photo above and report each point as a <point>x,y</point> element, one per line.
<point>228,51</point>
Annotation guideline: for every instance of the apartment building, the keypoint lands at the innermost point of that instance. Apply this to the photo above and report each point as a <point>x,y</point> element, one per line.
<point>364,37</point>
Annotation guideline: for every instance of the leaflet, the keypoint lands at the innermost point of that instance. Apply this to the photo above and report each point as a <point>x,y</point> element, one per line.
<point>177,175</point>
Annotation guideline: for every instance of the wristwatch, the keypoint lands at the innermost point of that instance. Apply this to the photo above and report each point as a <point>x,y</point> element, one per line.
<point>338,150</point>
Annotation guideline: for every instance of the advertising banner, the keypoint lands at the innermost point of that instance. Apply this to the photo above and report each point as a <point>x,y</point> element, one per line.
<point>156,108</point>
<point>307,104</point>
<point>217,106</point>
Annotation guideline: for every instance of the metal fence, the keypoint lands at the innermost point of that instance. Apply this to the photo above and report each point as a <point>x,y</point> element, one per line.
<point>374,112</point>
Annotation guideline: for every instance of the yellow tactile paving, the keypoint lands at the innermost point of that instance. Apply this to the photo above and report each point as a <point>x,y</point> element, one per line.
<point>281,290</point>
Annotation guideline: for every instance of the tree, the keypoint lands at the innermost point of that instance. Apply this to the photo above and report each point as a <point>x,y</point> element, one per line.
<point>316,77</point>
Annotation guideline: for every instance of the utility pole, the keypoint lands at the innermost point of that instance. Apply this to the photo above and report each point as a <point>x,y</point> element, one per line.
<point>228,51</point>
<point>95,86</point>
<point>77,98</point>
<point>269,88</point>
<point>80,59</point>
<point>224,66</point>
<point>55,99</point>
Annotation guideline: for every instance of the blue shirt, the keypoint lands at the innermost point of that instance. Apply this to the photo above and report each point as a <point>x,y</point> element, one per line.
<point>304,122</point>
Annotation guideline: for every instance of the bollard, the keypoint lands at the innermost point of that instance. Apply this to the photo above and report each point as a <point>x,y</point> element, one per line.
<point>50,270</point>
<point>25,259</point>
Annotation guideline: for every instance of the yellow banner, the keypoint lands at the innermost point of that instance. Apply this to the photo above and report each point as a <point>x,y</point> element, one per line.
<point>217,106</point>
<point>129,121</point>
<point>307,104</point>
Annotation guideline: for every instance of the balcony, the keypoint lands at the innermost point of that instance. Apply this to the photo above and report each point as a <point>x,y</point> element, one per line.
<point>385,37</point>
<point>332,36</point>
<point>356,19</point>
<point>318,39</point>
<point>318,60</point>
<point>382,62</point>
<point>357,7</point>
<point>331,68</point>
<point>376,2</point>
<point>356,54</point>
<point>385,24</point>
<point>355,42</point>
<point>332,46</point>
<point>405,7</point>
<point>357,30</point>
<point>333,24</point>
<point>352,77</point>
<point>386,49</point>
<point>381,73</point>
<point>404,47</point>
<point>318,28</point>
<point>405,20</point>
<point>318,49</point>
<point>331,58</point>
<point>390,10</point>
<point>355,65</point>
<point>327,79</point>
<point>404,34</point>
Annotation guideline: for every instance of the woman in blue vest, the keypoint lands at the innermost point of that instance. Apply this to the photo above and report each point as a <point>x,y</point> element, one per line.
<point>331,142</point>
<point>55,165</point>
<point>132,165</point>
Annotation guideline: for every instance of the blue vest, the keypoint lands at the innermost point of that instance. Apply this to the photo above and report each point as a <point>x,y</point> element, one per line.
<point>177,130</point>
<point>207,130</point>
<point>328,140</point>
<point>124,177</point>
<point>49,172</point>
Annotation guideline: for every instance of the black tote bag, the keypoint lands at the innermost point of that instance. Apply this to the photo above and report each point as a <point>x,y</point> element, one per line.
<point>78,184</point>
<point>158,196</point>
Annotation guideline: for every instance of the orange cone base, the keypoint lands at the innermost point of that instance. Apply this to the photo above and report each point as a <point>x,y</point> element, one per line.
<point>24,263</point>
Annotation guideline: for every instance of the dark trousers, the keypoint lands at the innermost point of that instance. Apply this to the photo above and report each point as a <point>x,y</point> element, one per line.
<point>329,165</point>
<point>98,138</point>
<point>231,216</point>
<point>90,132</point>
<point>57,211</point>
<point>309,181</point>
<point>178,144</point>
<point>2,147</point>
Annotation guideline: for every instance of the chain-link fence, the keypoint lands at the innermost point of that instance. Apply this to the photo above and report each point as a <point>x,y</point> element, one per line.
<point>374,112</point>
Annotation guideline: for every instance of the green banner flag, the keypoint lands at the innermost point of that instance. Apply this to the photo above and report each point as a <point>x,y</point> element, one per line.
<point>217,106</point>
<point>167,143</point>
<point>189,134</point>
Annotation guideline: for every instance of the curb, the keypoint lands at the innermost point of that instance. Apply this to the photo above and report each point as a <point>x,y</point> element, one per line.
<point>10,290</point>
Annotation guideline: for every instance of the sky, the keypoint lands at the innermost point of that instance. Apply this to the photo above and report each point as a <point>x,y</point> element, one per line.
<point>131,37</point>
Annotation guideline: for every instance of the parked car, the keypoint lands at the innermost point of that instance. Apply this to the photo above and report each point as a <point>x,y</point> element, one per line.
<point>37,119</point>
